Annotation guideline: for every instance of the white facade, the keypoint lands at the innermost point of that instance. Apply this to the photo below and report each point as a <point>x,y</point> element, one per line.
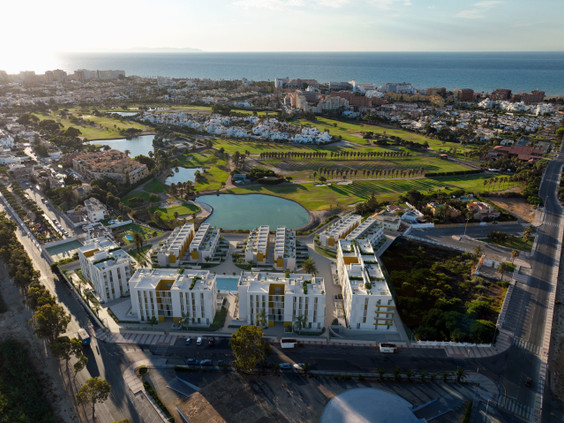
<point>388,220</point>
<point>204,244</point>
<point>367,299</point>
<point>256,250</point>
<point>107,266</point>
<point>171,251</point>
<point>285,249</point>
<point>293,301</point>
<point>339,230</point>
<point>95,210</point>
<point>189,298</point>
<point>370,230</point>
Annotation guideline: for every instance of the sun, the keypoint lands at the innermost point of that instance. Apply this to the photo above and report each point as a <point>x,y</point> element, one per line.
<point>15,60</point>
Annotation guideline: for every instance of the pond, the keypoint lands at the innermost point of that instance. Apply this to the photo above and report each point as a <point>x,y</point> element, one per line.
<point>249,211</point>
<point>136,145</point>
<point>182,174</point>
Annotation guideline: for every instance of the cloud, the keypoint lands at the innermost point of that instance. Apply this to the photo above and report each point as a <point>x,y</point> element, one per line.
<point>479,10</point>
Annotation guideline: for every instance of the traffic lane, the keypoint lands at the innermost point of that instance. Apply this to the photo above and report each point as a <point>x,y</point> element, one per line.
<point>521,365</point>
<point>474,231</point>
<point>181,352</point>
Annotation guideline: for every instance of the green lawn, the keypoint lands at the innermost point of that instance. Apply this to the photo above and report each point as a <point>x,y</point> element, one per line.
<point>186,209</point>
<point>215,171</point>
<point>147,232</point>
<point>326,197</point>
<point>155,186</point>
<point>514,242</point>
<point>139,256</point>
<point>140,194</point>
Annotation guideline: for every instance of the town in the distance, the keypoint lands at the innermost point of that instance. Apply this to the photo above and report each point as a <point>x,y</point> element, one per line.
<point>206,246</point>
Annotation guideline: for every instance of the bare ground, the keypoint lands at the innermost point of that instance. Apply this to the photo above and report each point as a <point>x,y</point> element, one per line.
<point>15,323</point>
<point>517,206</point>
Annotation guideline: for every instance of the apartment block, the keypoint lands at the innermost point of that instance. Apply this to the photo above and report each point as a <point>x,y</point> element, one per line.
<point>389,220</point>
<point>107,266</point>
<point>256,250</point>
<point>173,249</point>
<point>269,298</point>
<point>368,302</point>
<point>285,249</point>
<point>204,244</point>
<point>111,163</point>
<point>95,210</point>
<point>370,230</point>
<point>189,297</point>
<point>339,230</point>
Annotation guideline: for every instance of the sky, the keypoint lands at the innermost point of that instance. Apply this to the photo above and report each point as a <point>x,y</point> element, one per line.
<point>33,29</point>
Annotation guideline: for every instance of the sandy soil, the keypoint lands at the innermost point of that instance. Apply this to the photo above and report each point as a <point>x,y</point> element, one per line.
<point>15,323</point>
<point>518,206</point>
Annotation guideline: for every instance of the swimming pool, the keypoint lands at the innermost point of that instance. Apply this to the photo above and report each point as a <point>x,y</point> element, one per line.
<point>227,283</point>
<point>129,237</point>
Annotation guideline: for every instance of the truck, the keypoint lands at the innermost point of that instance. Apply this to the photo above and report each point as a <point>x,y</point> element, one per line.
<point>288,343</point>
<point>388,348</point>
<point>83,336</point>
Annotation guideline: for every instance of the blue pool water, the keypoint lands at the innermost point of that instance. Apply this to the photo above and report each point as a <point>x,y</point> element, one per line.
<point>129,237</point>
<point>227,283</point>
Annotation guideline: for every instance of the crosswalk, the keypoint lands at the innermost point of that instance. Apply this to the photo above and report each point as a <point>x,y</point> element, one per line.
<point>515,407</point>
<point>136,338</point>
<point>526,345</point>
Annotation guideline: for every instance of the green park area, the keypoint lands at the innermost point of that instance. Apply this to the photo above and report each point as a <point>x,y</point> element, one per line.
<point>125,233</point>
<point>438,298</point>
<point>93,127</point>
<point>324,197</point>
<point>172,213</point>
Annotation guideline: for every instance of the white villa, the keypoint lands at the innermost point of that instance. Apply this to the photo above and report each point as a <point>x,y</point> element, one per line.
<point>107,266</point>
<point>267,298</point>
<point>368,302</point>
<point>165,293</point>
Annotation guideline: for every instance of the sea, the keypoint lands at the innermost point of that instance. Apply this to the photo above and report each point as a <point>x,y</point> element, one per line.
<point>483,72</point>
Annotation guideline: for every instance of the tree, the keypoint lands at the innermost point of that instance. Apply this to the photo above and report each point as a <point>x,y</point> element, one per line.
<point>478,251</point>
<point>65,348</point>
<point>248,346</point>
<point>514,255</point>
<point>50,320</point>
<point>529,230</point>
<point>502,268</point>
<point>94,391</point>
<point>138,240</point>
<point>184,320</point>
<point>80,364</point>
<point>459,374</point>
<point>261,318</point>
<point>300,322</point>
<point>309,266</point>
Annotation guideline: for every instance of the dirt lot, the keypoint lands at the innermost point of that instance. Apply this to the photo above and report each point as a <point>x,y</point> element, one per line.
<point>231,397</point>
<point>518,206</point>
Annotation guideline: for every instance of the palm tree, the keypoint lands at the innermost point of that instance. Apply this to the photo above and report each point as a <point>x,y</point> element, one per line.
<point>309,266</point>
<point>300,322</point>
<point>138,240</point>
<point>514,255</point>
<point>502,268</point>
<point>261,318</point>
<point>184,320</point>
<point>459,374</point>
<point>127,152</point>
<point>478,251</point>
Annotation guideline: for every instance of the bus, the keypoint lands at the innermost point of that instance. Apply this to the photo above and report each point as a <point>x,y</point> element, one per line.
<point>288,343</point>
<point>387,348</point>
<point>83,336</point>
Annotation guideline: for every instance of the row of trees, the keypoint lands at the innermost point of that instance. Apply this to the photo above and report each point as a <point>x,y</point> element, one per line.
<point>332,172</point>
<point>336,155</point>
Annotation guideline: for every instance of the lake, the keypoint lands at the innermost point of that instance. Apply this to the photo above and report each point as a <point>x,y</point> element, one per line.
<point>125,114</point>
<point>182,174</point>
<point>136,145</point>
<point>249,211</point>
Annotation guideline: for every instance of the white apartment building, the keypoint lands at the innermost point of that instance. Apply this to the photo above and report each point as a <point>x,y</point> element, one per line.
<point>107,266</point>
<point>267,298</point>
<point>205,242</point>
<point>189,297</point>
<point>256,250</point>
<point>370,230</point>
<point>390,221</point>
<point>171,251</point>
<point>339,230</point>
<point>368,302</point>
<point>285,249</point>
<point>95,210</point>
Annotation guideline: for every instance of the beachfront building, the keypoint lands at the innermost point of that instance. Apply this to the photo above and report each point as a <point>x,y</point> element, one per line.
<point>256,250</point>
<point>339,230</point>
<point>204,244</point>
<point>189,298</point>
<point>368,302</point>
<point>370,230</point>
<point>173,249</point>
<point>296,301</point>
<point>285,249</point>
<point>107,266</point>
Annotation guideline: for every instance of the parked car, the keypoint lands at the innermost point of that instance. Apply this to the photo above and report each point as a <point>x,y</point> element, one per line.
<point>192,362</point>
<point>285,366</point>
<point>299,366</point>
<point>206,363</point>
<point>199,340</point>
<point>188,340</point>
<point>211,341</point>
